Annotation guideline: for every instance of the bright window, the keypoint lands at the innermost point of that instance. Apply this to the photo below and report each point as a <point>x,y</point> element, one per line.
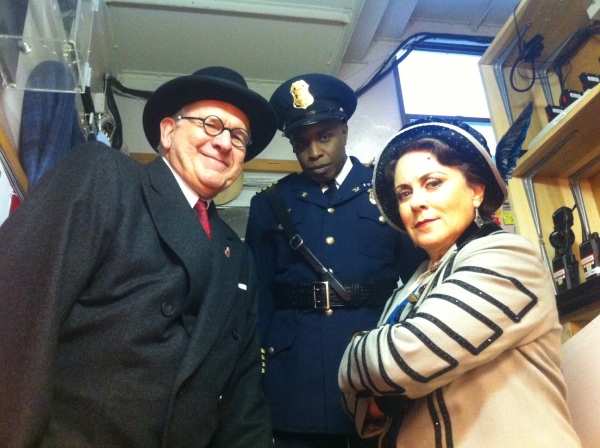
<point>445,83</point>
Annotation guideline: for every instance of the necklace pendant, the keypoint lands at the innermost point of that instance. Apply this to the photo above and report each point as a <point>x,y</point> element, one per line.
<point>434,267</point>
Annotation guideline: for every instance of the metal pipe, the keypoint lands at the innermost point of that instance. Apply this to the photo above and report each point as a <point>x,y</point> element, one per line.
<point>499,74</point>
<point>532,199</point>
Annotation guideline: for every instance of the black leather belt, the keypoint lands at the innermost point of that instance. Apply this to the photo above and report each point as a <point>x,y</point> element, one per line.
<point>320,296</point>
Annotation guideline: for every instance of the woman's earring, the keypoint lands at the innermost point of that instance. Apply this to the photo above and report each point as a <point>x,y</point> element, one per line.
<point>478,220</point>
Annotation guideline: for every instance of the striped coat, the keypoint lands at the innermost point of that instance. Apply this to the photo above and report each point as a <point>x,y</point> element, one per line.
<point>479,352</point>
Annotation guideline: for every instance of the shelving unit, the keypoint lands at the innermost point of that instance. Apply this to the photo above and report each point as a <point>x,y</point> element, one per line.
<point>568,148</point>
<point>43,31</point>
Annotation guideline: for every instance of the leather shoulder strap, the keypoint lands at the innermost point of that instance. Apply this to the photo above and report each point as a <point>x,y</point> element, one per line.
<point>297,243</point>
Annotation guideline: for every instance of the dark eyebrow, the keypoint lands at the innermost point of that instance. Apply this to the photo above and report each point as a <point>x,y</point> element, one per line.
<point>325,130</point>
<point>424,176</point>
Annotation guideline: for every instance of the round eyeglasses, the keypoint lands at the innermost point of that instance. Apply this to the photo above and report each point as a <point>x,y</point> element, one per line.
<point>214,126</point>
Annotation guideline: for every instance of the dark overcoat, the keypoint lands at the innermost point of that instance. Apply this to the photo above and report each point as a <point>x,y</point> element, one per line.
<point>304,350</point>
<point>121,324</point>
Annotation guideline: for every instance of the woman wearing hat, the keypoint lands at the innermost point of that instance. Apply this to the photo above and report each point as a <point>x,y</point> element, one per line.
<point>467,353</point>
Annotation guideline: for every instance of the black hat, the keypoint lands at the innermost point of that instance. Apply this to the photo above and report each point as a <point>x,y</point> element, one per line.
<point>211,83</point>
<point>312,98</point>
<point>469,143</point>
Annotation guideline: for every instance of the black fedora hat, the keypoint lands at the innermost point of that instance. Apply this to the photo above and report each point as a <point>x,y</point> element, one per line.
<point>470,145</point>
<point>308,99</point>
<point>211,83</point>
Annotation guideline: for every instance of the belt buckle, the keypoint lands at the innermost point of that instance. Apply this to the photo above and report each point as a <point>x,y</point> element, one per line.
<point>316,289</point>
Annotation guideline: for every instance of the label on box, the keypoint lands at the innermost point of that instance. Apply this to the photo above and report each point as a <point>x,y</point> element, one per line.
<point>508,218</point>
<point>588,263</point>
<point>559,276</point>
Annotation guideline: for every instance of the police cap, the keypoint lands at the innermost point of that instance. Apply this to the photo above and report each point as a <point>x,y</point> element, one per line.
<point>312,98</point>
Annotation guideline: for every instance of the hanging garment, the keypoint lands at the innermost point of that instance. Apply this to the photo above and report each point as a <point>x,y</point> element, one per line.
<point>49,122</point>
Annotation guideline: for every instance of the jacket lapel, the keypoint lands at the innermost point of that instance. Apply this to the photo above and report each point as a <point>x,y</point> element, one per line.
<point>218,297</point>
<point>358,180</point>
<point>212,266</point>
<point>307,190</point>
<point>177,225</point>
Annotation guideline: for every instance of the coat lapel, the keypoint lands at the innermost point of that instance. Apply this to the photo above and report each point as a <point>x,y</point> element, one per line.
<point>359,179</point>
<point>177,225</point>
<point>307,190</point>
<point>218,297</point>
<point>213,267</point>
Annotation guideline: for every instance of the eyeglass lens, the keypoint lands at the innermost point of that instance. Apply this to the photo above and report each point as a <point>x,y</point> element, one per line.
<point>213,126</point>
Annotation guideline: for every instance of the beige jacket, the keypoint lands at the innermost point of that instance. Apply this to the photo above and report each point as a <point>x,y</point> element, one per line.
<point>479,353</point>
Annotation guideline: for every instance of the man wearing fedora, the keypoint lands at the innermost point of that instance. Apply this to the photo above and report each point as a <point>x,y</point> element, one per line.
<point>305,319</point>
<point>127,307</point>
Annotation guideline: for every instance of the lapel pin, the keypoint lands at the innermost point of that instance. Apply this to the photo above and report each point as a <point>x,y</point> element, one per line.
<point>227,252</point>
<point>356,189</point>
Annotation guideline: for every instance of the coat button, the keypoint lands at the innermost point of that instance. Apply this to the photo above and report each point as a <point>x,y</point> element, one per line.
<point>329,240</point>
<point>381,219</point>
<point>271,350</point>
<point>167,309</point>
<point>331,209</point>
<point>235,333</point>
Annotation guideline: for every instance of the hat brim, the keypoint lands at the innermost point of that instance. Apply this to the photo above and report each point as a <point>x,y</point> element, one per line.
<point>179,92</point>
<point>231,192</point>
<point>456,137</point>
<point>314,119</point>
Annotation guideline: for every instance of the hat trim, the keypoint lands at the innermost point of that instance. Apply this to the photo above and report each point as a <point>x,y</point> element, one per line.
<point>310,118</point>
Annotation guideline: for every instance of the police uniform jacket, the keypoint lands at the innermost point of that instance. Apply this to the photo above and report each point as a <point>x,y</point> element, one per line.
<point>479,353</point>
<point>304,349</point>
<point>121,324</point>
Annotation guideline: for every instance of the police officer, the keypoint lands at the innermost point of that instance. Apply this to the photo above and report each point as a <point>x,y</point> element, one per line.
<point>332,209</point>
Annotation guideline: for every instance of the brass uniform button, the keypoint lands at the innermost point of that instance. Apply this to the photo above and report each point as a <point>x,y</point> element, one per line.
<point>271,350</point>
<point>329,240</point>
<point>331,209</point>
<point>381,219</point>
<point>280,227</point>
<point>328,312</point>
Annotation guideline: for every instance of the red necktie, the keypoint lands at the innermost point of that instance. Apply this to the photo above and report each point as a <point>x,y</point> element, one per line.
<point>200,208</point>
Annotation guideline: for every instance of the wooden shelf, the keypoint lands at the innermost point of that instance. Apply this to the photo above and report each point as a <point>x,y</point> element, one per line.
<point>572,141</point>
<point>546,17</point>
<point>566,149</point>
<point>578,301</point>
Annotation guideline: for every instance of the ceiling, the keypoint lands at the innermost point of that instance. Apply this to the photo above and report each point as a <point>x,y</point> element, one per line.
<point>151,41</point>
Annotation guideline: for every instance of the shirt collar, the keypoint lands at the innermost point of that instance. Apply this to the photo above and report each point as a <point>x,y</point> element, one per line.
<point>341,177</point>
<point>191,196</point>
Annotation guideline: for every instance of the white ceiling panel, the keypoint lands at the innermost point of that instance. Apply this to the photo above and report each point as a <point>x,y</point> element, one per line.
<point>270,41</point>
